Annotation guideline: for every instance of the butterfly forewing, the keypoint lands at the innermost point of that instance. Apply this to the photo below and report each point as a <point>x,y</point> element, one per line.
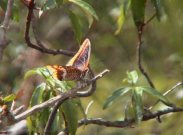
<point>81,58</point>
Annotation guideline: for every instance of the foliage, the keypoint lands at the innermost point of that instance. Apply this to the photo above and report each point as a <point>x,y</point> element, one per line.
<point>50,88</point>
<point>136,95</point>
<point>114,30</point>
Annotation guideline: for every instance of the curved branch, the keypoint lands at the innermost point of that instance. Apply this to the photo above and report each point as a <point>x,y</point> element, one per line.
<point>40,47</point>
<point>63,96</point>
<point>128,122</point>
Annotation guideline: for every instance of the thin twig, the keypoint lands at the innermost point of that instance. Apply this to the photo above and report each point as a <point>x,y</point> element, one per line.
<point>167,92</point>
<point>138,51</point>
<point>51,118</point>
<point>69,94</point>
<point>40,47</point>
<point>4,42</point>
<point>150,19</point>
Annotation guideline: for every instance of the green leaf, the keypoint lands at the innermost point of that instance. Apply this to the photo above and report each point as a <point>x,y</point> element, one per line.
<point>37,95</point>
<point>70,110</point>
<point>132,77</point>
<point>117,93</point>
<point>120,20</point>
<point>9,98</point>
<point>129,112</point>
<point>87,8</point>
<point>80,107</point>
<point>42,71</point>
<point>31,72</point>
<point>157,94</point>
<point>123,10</point>
<point>160,13</point>
<point>76,25</point>
<point>137,104</point>
<point>138,12</point>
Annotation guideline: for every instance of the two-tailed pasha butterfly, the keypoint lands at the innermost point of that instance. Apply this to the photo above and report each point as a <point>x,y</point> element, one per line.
<point>77,67</point>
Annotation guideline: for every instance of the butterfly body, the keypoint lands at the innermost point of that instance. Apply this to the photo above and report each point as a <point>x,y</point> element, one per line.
<point>76,68</point>
<point>66,72</point>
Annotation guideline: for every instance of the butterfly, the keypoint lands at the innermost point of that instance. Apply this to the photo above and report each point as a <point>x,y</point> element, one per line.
<point>76,68</point>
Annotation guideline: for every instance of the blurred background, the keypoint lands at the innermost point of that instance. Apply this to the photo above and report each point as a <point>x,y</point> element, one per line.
<point>162,54</point>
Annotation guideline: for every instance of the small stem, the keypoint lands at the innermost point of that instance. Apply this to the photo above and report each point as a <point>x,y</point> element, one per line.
<point>166,93</point>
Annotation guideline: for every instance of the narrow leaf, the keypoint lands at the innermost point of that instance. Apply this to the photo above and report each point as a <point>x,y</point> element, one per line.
<point>86,7</point>
<point>121,18</point>
<point>76,25</point>
<point>71,115</point>
<point>157,94</point>
<point>138,11</point>
<point>30,73</point>
<point>37,95</point>
<point>117,93</point>
<point>160,13</point>
<point>137,104</point>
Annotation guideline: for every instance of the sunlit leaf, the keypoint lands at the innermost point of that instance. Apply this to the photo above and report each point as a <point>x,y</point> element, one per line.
<point>138,12</point>
<point>43,71</point>
<point>120,20</point>
<point>31,72</point>
<point>76,26</point>
<point>132,77</point>
<point>29,124</point>
<point>90,12</point>
<point>137,104</point>
<point>116,94</point>
<point>123,10</point>
<point>160,13</point>
<point>71,115</point>
<point>9,98</point>
<point>157,94</point>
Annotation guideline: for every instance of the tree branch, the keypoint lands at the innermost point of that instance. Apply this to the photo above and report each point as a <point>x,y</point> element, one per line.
<point>63,96</point>
<point>128,122</point>
<point>138,52</point>
<point>3,40</point>
<point>40,47</point>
